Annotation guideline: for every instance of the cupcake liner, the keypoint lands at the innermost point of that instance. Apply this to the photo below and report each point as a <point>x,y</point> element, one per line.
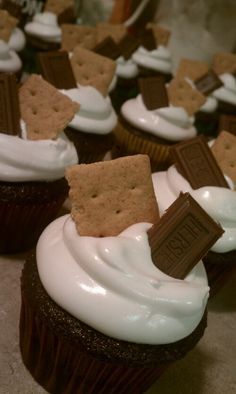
<point>90,147</point>
<point>65,355</point>
<point>25,210</point>
<point>131,143</point>
<point>219,268</point>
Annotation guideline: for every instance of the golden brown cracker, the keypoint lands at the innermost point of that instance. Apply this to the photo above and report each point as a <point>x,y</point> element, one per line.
<point>224,150</point>
<point>73,35</point>
<point>192,69</point>
<point>44,109</point>
<point>224,63</point>
<point>58,6</point>
<point>182,94</point>
<point>161,34</point>
<point>7,24</point>
<point>109,196</point>
<point>92,69</point>
<point>116,31</point>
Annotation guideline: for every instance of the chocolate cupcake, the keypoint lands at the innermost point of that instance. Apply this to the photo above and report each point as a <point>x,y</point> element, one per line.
<point>32,183</point>
<point>156,119</point>
<point>109,325</point>
<point>153,56</point>
<point>203,178</point>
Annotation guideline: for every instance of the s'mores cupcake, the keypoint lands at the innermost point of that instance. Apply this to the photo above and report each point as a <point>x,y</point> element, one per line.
<point>111,324</point>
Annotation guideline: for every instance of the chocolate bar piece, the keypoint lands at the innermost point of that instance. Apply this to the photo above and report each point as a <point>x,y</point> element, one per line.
<point>195,161</point>
<point>9,105</point>
<point>148,40</point>
<point>208,83</point>
<point>128,44</point>
<point>153,92</point>
<point>66,16</point>
<point>55,67</point>
<point>227,123</point>
<point>108,48</point>
<point>182,237</point>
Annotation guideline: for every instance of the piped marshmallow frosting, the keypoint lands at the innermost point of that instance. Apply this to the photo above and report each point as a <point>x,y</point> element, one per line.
<point>171,123</point>
<point>112,284</point>
<point>96,114</point>
<point>44,25</point>
<point>158,59</point>
<point>9,60</point>
<point>218,202</point>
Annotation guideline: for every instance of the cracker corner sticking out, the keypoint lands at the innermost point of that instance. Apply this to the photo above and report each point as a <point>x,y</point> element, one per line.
<point>115,31</point>
<point>58,6</point>
<point>224,62</point>
<point>109,196</point>
<point>182,94</point>
<point>7,24</point>
<point>193,69</point>
<point>92,69</point>
<point>73,35</point>
<point>224,150</point>
<point>161,34</point>
<point>45,111</point>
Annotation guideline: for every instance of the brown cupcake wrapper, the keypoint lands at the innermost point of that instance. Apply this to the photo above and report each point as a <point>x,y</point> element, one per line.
<point>66,355</point>
<point>90,147</point>
<point>128,143</point>
<point>25,211</point>
<point>70,370</point>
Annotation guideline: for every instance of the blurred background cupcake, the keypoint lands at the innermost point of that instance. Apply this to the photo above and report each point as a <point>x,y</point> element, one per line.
<point>157,118</point>
<point>33,155</point>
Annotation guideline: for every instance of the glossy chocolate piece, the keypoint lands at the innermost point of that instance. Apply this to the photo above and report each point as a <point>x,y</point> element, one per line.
<point>55,68</point>
<point>182,237</point>
<point>9,105</point>
<point>108,48</point>
<point>153,92</point>
<point>128,45</point>
<point>208,83</point>
<point>227,123</point>
<point>195,161</point>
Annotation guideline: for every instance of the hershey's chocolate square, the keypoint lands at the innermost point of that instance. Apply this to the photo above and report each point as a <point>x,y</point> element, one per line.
<point>183,235</point>
<point>208,83</point>
<point>153,92</point>
<point>108,48</point>
<point>196,162</point>
<point>128,44</point>
<point>9,105</point>
<point>227,123</point>
<point>148,40</point>
<point>55,67</point>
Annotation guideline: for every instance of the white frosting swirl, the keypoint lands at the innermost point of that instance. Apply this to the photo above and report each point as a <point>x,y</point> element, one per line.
<point>112,284</point>
<point>227,92</point>
<point>158,59</point>
<point>44,25</point>
<point>171,123</point>
<point>23,160</point>
<point>96,114</point>
<point>218,202</point>
<point>210,105</point>
<point>17,40</point>
<point>9,60</point>
<point>126,69</point>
